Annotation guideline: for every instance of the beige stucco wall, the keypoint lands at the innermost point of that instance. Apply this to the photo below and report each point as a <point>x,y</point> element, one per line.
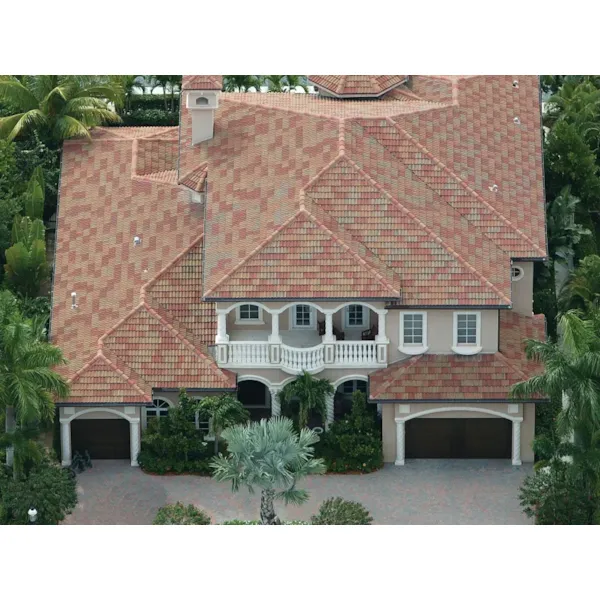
<point>522,290</point>
<point>392,411</point>
<point>440,334</point>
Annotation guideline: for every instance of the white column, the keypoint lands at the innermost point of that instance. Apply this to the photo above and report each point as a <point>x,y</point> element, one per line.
<point>381,336</point>
<point>275,403</point>
<point>516,440</point>
<point>274,338</point>
<point>65,442</point>
<point>400,441</point>
<point>222,337</point>
<point>134,440</point>
<point>329,339</point>
<point>330,416</point>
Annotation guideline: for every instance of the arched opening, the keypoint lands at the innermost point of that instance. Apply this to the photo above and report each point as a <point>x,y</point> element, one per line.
<point>344,393</point>
<point>202,101</point>
<point>256,398</point>
<point>291,410</point>
<point>355,322</point>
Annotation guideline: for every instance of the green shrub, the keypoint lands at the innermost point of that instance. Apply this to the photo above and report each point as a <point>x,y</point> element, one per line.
<point>352,443</point>
<point>149,117</point>
<point>149,101</point>
<point>178,514</point>
<point>173,444</point>
<point>241,522</point>
<point>337,511</point>
<point>49,488</point>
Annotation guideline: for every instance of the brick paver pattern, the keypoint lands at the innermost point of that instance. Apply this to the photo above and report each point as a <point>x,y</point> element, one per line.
<point>424,492</point>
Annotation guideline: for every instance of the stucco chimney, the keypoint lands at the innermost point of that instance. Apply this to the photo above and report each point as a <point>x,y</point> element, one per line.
<point>202,104</point>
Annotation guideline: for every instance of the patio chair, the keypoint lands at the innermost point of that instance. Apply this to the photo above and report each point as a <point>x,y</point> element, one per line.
<point>369,334</point>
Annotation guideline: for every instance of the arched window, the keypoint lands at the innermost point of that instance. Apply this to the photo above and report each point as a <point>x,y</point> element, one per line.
<point>201,101</point>
<point>160,409</point>
<point>516,273</point>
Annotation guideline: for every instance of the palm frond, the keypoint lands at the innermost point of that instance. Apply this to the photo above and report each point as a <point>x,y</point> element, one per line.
<point>14,93</point>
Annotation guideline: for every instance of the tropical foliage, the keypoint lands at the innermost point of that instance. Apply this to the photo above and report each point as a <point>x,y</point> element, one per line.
<point>179,514</point>
<point>222,411</point>
<point>58,107</point>
<point>270,456</point>
<point>28,380</point>
<point>306,395</point>
<point>353,443</point>
<point>337,511</point>
<point>173,443</point>
<point>48,488</point>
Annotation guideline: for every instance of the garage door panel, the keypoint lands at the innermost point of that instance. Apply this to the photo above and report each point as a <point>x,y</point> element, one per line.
<point>102,438</point>
<point>458,438</point>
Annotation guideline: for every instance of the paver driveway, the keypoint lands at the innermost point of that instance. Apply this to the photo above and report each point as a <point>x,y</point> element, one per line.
<point>421,493</point>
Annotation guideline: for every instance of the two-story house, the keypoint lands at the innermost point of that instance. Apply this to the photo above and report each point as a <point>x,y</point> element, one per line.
<point>380,233</point>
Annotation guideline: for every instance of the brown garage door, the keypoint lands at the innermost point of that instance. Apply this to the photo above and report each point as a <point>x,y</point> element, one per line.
<point>458,438</point>
<point>102,438</point>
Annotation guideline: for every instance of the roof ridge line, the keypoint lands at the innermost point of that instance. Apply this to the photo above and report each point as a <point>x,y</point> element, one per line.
<point>103,337</point>
<point>340,87</point>
<point>328,166</point>
<point>120,372</point>
<point>345,245</point>
<point>432,234</point>
<point>211,364</point>
<point>254,252</point>
<point>471,191</point>
<point>284,109</point>
<point>85,366</point>
<point>510,363</point>
<point>144,288</point>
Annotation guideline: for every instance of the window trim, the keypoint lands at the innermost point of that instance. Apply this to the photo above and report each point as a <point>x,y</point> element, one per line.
<point>413,349</point>
<point>157,416</point>
<point>466,349</point>
<point>313,320</point>
<point>366,317</point>
<point>239,321</point>
<point>517,277</point>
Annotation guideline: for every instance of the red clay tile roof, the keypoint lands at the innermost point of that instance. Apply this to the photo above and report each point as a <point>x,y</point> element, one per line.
<point>101,381</point>
<point>401,175</point>
<point>357,85</point>
<point>109,194</point>
<point>196,179</point>
<point>202,82</point>
<point>447,377</point>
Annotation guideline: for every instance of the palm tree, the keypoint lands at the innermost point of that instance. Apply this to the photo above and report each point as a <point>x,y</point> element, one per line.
<point>127,84</point>
<point>310,393</point>
<point>572,371</point>
<point>167,82</point>
<point>27,377</point>
<point>271,456</point>
<point>58,106</point>
<point>582,288</point>
<point>223,411</point>
<point>285,83</point>
<point>242,83</point>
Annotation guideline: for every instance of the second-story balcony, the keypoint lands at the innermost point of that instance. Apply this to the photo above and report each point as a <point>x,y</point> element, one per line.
<point>313,338</point>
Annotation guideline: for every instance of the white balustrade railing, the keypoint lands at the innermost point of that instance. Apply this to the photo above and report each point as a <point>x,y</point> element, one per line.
<point>349,353</point>
<point>302,359</point>
<point>355,353</point>
<point>248,353</point>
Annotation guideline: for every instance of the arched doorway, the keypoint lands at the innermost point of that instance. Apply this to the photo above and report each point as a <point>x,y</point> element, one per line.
<point>255,397</point>
<point>344,391</point>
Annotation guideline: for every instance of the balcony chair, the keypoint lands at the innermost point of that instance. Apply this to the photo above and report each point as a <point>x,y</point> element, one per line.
<point>339,335</point>
<point>369,334</point>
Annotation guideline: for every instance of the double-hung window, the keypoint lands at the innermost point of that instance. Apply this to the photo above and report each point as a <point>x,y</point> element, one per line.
<point>467,332</point>
<point>413,332</point>
<point>357,315</point>
<point>303,316</point>
<point>249,313</point>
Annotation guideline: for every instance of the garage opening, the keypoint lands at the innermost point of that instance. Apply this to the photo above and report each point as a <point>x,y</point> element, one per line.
<point>102,438</point>
<point>458,438</point>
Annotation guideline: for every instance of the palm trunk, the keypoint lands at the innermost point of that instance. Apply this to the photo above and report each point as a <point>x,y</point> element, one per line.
<point>10,427</point>
<point>216,444</point>
<point>267,508</point>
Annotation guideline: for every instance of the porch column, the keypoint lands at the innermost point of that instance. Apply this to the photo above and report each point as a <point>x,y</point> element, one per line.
<point>222,337</point>
<point>516,441</point>
<point>275,403</point>
<point>381,338</point>
<point>330,416</point>
<point>329,339</point>
<point>65,442</point>
<point>275,339</point>
<point>134,440</point>
<point>400,441</point>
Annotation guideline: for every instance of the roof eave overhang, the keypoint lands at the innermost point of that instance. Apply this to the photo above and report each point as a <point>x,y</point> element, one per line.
<point>449,306</point>
<point>302,299</point>
<point>189,389</point>
<point>102,404</point>
<point>461,400</point>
